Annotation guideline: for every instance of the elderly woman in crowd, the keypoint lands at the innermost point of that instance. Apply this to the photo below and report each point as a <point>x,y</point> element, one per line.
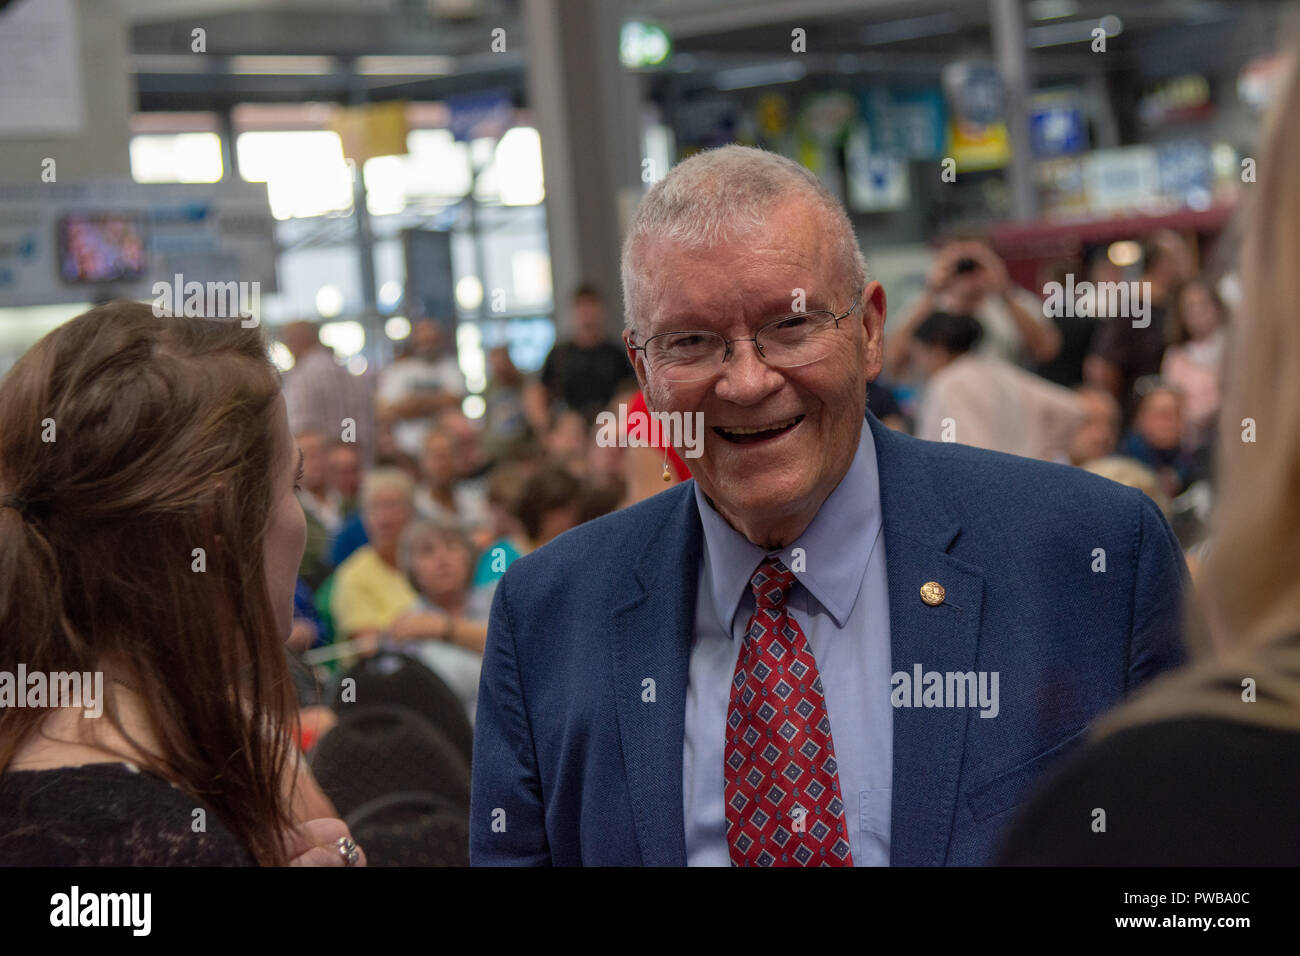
<point>447,623</point>
<point>370,591</point>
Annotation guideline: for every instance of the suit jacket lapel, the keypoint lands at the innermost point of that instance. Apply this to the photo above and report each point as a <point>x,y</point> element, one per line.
<point>920,527</point>
<point>652,631</point>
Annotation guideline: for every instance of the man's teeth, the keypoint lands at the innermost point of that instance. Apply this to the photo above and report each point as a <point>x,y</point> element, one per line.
<point>766,428</point>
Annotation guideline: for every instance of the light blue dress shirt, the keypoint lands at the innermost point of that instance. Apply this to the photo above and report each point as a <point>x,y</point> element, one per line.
<point>841,602</point>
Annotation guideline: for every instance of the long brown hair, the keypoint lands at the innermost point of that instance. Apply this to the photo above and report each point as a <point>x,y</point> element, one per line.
<point>1176,332</point>
<point>131,440</point>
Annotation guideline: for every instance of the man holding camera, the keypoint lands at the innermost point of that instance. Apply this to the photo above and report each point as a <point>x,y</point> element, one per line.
<point>968,279</point>
<point>974,393</point>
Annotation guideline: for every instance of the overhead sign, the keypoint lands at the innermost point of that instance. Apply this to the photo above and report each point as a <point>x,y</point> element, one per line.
<point>974,90</point>
<point>479,115</point>
<point>104,240</point>
<point>876,181</point>
<point>1186,172</point>
<point>40,75</point>
<point>977,135</point>
<point>1182,99</point>
<point>373,129</point>
<point>1124,178</point>
<point>907,123</point>
<point>975,148</point>
<point>1057,126</point>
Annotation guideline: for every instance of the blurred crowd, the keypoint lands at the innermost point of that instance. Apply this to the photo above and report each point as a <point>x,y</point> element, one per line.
<point>409,533</point>
<point>1132,393</point>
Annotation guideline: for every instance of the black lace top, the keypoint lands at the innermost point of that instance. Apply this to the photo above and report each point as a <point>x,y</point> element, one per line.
<point>107,814</point>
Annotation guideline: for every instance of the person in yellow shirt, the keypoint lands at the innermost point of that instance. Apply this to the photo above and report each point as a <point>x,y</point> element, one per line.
<point>370,591</point>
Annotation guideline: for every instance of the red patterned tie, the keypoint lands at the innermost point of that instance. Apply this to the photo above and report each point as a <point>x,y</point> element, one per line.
<point>782,788</point>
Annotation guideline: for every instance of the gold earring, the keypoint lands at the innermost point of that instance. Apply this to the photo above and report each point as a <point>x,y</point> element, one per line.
<point>667,475</point>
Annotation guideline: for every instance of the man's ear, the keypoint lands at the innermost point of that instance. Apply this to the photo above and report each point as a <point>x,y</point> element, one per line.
<point>873,324</point>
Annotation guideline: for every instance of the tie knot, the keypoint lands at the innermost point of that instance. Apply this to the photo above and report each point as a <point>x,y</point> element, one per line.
<point>771,583</point>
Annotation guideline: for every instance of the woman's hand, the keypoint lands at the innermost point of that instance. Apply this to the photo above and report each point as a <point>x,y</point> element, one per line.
<point>316,843</point>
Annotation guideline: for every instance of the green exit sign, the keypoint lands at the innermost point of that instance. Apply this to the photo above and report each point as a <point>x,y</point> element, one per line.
<point>643,44</point>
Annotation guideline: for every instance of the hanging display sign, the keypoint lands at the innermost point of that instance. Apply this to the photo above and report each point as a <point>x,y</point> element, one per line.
<point>87,242</point>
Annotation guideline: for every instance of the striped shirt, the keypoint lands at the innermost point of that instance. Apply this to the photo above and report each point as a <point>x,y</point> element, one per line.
<point>319,394</point>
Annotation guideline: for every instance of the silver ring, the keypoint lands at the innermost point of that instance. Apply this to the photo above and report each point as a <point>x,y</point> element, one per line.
<point>349,850</point>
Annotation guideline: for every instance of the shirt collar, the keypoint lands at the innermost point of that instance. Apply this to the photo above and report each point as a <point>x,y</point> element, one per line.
<point>836,546</point>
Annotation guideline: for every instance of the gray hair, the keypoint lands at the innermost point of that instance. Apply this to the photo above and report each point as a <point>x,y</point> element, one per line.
<point>722,194</point>
<point>384,479</point>
<point>421,532</point>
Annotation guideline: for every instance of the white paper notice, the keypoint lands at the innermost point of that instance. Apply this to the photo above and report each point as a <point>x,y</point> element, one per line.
<point>40,76</point>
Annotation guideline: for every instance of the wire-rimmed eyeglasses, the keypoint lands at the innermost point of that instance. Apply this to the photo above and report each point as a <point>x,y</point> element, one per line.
<point>789,342</point>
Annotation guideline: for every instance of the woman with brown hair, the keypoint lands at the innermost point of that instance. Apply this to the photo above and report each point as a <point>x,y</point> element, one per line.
<point>1194,360</point>
<point>149,541</point>
<point>1204,767</point>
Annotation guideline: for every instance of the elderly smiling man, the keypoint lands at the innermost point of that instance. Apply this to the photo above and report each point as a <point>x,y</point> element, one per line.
<point>837,645</point>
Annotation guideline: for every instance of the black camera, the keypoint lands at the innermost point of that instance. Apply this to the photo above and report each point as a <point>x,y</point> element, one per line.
<point>965,265</point>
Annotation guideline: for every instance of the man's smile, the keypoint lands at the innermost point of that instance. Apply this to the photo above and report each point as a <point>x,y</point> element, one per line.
<point>750,434</point>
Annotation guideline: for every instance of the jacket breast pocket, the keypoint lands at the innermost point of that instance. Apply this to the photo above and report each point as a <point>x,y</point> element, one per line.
<point>1009,790</point>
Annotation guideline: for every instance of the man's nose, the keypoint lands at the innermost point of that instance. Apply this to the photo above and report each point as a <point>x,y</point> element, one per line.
<point>746,378</point>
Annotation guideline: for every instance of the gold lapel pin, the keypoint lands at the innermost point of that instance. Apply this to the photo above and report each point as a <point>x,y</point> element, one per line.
<point>932,593</point>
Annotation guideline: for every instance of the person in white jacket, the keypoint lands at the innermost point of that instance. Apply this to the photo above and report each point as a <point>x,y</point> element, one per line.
<point>978,399</point>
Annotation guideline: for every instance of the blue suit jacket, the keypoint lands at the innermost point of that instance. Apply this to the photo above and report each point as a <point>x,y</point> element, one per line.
<point>573,764</point>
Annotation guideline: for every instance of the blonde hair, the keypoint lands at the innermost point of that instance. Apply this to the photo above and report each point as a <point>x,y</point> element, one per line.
<point>1251,590</point>
<point>422,532</point>
<point>1133,474</point>
<point>386,479</point>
